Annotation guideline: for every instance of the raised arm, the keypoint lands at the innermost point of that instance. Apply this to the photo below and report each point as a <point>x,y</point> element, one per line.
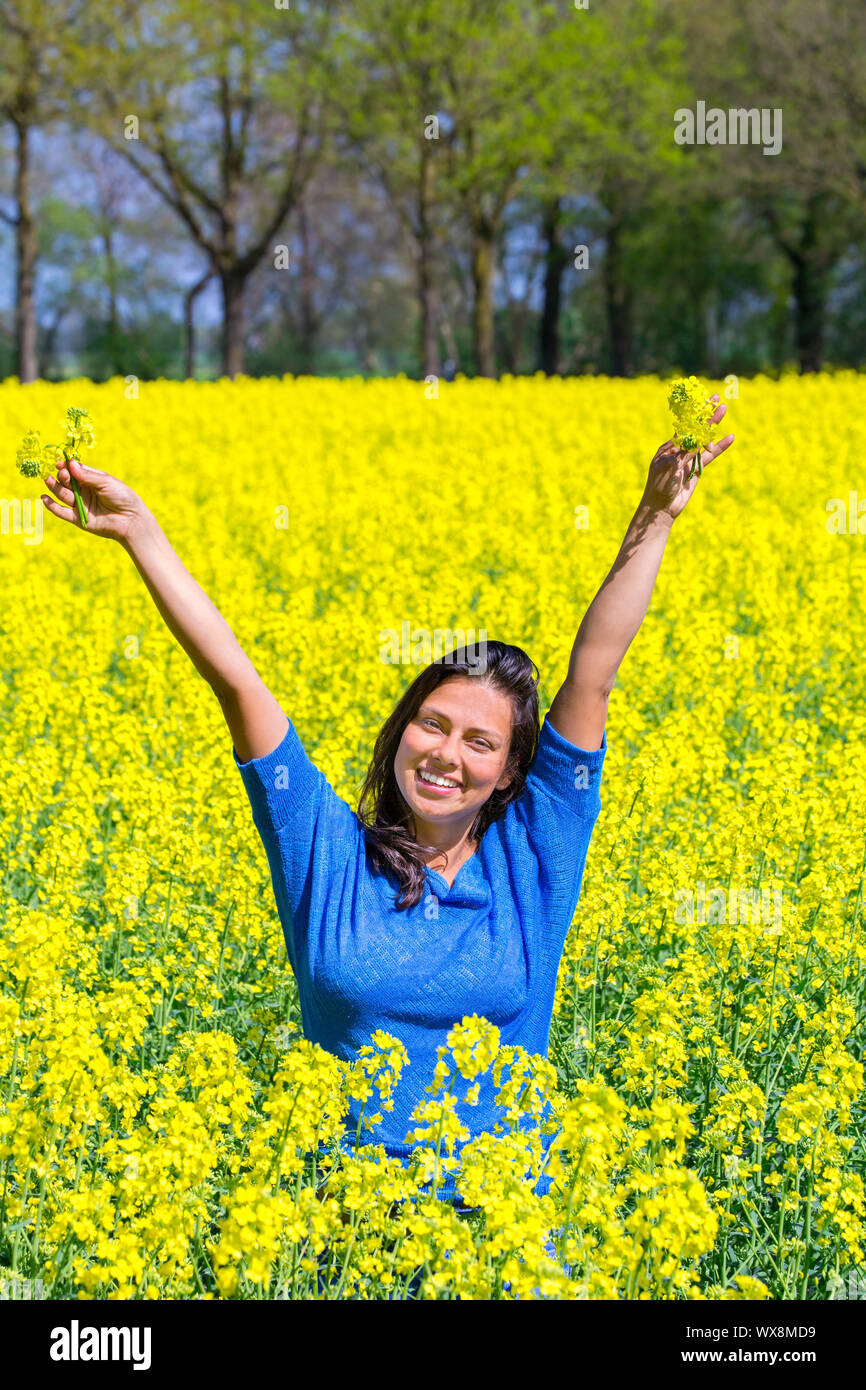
<point>256,722</point>
<point>579,710</point>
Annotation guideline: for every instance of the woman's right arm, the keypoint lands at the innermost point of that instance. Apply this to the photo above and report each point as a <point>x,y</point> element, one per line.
<point>255,720</point>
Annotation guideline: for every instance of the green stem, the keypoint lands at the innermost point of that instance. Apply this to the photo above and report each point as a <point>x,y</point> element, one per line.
<point>770,1019</point>
<point>81,512</point>
<point>570,1203</point>
<point>339,1289</point>
<point>808,1231</point>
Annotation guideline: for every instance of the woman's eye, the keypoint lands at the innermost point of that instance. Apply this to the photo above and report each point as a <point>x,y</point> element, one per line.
<point>428,720</point>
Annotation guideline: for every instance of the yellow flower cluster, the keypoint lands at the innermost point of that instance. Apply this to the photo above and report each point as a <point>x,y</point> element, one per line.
<point>474,1044</point>
<point>691,407</point>
<point>166,1131</point>
<point>34,459</point>
<point>379,1066</point>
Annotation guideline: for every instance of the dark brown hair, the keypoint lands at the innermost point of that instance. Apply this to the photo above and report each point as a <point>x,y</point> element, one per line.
<point>384,811</point>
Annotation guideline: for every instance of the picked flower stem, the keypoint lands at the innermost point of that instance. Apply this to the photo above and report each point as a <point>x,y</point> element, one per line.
<point>81,512</point>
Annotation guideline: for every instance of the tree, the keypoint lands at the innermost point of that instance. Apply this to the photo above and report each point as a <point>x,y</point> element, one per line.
<point>220,109</point>
<point>634,84</point>
<point>806,60</point>
<point>386,81</point>
<point>606,85</point>
<point>34,72</point>
<point>439,102</point>
<point>491,56</point>
<point>343,239</point>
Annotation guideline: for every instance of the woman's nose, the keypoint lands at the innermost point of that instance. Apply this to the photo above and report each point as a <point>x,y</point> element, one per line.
<point>446,752</point>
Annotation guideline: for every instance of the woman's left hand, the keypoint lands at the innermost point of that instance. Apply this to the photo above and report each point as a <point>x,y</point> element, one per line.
<point>668,486</point>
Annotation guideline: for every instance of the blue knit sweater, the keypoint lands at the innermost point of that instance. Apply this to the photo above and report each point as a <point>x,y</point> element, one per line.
<point>489,945</point>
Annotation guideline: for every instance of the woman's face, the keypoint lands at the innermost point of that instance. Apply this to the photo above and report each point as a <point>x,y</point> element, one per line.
<point>461,733</point>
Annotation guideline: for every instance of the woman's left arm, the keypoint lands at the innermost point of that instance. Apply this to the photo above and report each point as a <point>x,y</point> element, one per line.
<point>579,710</point>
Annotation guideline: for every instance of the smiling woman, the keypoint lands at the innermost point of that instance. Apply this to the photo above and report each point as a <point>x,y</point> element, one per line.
<point>378,938</point>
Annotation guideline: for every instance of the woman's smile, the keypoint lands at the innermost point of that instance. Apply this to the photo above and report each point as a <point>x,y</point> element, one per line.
<point>423,778</point>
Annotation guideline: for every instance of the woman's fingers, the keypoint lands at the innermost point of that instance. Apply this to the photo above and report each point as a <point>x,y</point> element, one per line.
<point>713,451</point>
<point>64,494</point>
<point>85,474</point>
<point>63,512</point>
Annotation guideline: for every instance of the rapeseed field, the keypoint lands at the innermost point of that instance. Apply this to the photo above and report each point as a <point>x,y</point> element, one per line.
<point>158,1103</point>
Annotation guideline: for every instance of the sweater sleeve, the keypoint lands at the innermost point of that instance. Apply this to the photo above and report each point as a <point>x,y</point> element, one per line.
<point>281,783</point>
<point>309,833</point>
<point>557,808</point>
<point>567,777</point>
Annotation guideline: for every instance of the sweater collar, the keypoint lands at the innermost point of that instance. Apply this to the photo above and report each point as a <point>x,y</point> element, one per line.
<point>469,887</point>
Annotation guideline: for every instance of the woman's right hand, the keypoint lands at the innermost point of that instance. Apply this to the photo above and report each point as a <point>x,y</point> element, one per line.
<point>111,508</point>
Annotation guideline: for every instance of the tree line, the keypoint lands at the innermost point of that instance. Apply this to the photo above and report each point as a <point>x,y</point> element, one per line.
<point>409,185</point>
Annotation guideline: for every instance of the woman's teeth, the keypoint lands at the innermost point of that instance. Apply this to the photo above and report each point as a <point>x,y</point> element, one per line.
<point>437,781</point>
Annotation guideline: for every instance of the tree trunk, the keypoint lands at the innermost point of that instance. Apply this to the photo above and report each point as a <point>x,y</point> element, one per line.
<point>699,302</point>
<point>809,263</point>
<point>451,347</point>
<point>233,356</point>
<point>49,342</point>
<point>809,294</point>
<point>189,323</point>
<point>809,298</point>
<point>430,364</point>
<point>307,309</point>
<point>711,329</point>
<point>483,259</point>
<point>113,325</point>
<point>618,303</point>
<point>26,247</point>
<point>555,261</point>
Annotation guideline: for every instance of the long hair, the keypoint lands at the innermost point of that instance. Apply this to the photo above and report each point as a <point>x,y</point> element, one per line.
<point>383,810</point>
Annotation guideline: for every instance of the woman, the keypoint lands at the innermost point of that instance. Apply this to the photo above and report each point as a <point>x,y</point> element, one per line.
<point>452,890</point>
